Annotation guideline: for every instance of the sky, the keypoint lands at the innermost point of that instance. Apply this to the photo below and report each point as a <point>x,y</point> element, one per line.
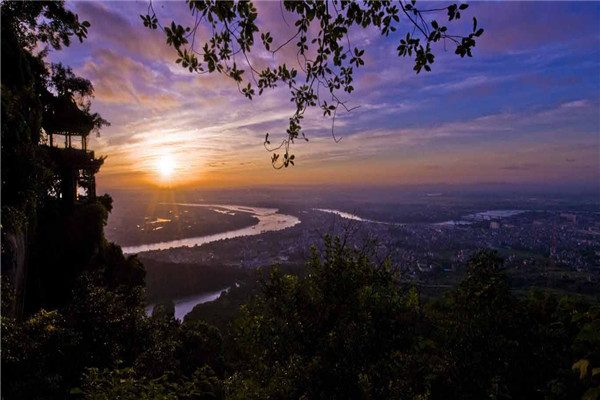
<point>524,109</point>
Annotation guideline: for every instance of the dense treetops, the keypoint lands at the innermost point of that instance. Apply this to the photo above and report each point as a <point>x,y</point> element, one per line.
<point>348,329</point>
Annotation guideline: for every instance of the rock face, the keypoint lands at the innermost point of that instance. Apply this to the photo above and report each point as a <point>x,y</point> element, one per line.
<point>14,267</point>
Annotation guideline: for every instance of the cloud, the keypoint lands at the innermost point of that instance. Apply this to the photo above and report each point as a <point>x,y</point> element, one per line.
<point>576,104</point>
<point>516,26</point>
<point>466,83</point>
<point>109,25</point>
<point>520,167</point>
<point>497,113</point>
<point>118,79</point>
<point>503,129</point>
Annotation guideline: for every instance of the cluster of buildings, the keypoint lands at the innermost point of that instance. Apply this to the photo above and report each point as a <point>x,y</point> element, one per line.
<point>532,242</point>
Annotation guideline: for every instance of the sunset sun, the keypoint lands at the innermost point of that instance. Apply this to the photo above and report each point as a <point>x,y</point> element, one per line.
<point>165,167</point>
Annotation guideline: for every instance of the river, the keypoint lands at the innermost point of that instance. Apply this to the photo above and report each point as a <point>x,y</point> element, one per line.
<point>352,217</point>
<point>465,220</point>
<point>482,216</point>
<point>269,220</point>
<point>184,305</point>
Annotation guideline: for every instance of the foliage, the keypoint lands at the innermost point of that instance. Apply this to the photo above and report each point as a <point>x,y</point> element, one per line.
<point>67,103</point>
<point>44,243</point>
<point>348,329</point>
<point>84,299</point>
<point>38,356</point>
<point>201,344</point>
<point>24,168</point>
<point>326,60</point>
<point>587,344</point>
<point>326,335</point>
<point>176,361</point>
<point>122,384</point>
<point>44,22</point>
<point>312,337</point>
<point>45,355</point>
<point>34,96</point>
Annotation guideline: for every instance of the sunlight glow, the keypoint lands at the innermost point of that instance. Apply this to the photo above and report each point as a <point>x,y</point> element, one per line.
<point>165,166</point>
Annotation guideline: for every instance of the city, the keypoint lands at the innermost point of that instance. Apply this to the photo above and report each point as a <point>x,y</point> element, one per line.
<point>550,248</point>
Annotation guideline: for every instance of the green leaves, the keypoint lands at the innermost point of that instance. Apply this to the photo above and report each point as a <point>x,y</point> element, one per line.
<point>423,55</point>
<point>423,58</point>
<point>288,159</point>
<point>79,29</point>
<point>346,319</point>
<point>581,367</point>
<point>236,74</point>
<point>328,108</point>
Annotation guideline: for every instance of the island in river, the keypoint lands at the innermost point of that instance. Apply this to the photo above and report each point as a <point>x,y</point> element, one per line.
<point>139,224</point>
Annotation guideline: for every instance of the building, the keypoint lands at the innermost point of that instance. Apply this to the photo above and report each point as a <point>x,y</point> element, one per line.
<point>569,217</point>
<point>75,165</point>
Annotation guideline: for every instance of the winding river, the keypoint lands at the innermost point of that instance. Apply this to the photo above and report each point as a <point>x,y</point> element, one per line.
<point>269,220</point>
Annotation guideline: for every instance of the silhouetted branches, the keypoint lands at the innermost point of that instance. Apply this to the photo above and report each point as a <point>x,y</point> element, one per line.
<point>325,60</point>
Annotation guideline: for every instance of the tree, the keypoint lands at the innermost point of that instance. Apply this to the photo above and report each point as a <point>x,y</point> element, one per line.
<point>84,303</point>
<point>26,99</point>
<point>326,61</point>
<point>123,384</point>
<point>345,331</point>
<point>34,97</point>
<point>483,334</point>
<point>40,99</point>
<point>587,345</point>
<point>353,329</point>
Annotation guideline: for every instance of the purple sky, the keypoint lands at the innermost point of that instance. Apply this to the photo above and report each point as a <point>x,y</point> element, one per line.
<point>524,109</point>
